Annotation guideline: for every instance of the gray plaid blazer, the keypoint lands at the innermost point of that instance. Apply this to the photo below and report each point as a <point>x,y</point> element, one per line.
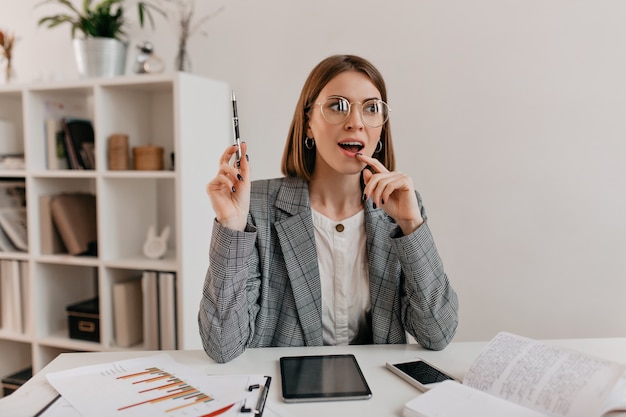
<point>262,287</point>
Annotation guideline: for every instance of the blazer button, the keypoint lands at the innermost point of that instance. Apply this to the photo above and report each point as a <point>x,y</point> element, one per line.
<point>339,227</point>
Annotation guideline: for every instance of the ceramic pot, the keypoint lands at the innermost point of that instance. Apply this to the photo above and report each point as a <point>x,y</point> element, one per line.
<point>100,57</point>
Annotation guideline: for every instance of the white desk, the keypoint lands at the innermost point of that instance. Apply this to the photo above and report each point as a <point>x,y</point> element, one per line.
<point>389,392</point>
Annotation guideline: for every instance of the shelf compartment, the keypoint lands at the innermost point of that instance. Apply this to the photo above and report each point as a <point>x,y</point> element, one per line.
<point>143,113</point>
<point>55,287</point>
<point>56,103</point>
<point>16,356</point>
<point>112,276</point>
<point>129,206</point>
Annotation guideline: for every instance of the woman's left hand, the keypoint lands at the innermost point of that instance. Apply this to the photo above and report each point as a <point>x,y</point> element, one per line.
<point>392,191</point>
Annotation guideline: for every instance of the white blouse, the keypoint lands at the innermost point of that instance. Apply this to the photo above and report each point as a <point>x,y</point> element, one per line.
<point>344,277</point>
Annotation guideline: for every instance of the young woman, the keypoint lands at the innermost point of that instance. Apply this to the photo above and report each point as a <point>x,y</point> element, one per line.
<point>336,252</point>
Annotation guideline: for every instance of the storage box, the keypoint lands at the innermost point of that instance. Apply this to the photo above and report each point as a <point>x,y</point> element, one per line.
<point>12,382</point>
<point>84,320</point>
<point>148,158</point>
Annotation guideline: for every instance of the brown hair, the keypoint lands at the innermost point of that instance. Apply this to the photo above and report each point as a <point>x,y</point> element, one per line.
<point>298,161</point>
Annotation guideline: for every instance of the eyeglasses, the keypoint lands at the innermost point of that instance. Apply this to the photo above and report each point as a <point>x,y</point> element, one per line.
<point>336,109</point>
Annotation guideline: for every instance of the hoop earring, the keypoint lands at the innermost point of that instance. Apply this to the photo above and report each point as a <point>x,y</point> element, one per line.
<point>379,146</point>
<point>309,143</point>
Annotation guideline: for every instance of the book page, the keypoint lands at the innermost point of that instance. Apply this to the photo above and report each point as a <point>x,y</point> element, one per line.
<point>452,399</point>
<point>555,381</point>
<point>617,399</point>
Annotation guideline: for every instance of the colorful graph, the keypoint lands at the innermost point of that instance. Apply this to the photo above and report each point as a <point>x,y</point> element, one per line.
<point>168,388</point>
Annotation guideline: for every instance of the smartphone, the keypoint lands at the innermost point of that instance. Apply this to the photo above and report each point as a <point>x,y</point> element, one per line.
<point>420,373</point>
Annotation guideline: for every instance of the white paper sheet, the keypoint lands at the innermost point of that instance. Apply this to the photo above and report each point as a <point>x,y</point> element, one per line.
<point>154,386</point>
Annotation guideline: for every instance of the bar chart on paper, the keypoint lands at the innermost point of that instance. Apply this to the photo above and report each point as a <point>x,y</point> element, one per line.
<point>164,389</point>
<point>154,386</point>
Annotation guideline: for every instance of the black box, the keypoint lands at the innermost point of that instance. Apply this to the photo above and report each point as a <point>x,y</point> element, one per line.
<point>84,320</point>
<point>12,382</point>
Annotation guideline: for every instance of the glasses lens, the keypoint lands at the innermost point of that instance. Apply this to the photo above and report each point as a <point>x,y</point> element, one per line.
<point>375,112</point>
<point>335,109</point>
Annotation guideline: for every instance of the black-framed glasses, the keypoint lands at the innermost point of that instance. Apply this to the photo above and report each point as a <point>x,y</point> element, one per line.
<point>336,109</point>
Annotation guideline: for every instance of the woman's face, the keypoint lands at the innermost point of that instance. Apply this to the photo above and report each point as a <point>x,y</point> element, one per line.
<point>337,144</point>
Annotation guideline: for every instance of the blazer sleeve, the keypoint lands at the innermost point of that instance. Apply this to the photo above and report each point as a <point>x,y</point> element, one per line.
<point>429,303</point>
<point>225,319</point>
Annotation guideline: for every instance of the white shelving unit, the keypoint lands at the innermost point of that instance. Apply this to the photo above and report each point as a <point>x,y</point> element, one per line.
<point>188,116</point>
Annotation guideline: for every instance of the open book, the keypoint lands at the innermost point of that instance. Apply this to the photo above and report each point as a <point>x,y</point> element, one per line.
<point>515,376</point>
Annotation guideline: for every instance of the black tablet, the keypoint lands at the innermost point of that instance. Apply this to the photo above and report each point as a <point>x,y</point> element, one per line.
<point>322,378</point>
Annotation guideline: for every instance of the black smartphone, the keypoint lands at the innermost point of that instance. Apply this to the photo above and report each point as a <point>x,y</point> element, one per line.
<point>420,373</point>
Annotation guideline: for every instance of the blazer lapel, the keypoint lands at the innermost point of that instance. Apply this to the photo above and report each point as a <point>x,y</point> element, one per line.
<point>294,228</point>
<point>383,289</point>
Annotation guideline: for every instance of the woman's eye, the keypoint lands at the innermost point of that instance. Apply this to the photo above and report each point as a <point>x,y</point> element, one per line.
<point>340,106</point>
<point>372,107</point>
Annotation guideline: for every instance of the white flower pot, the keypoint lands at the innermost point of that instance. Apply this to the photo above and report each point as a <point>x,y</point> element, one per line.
<point>100,57</point>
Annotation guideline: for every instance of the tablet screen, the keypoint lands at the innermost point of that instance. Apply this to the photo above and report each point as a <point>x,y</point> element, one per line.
<point>322,378</point>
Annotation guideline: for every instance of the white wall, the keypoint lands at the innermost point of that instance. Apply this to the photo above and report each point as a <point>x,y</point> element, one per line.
<point>508,114</point>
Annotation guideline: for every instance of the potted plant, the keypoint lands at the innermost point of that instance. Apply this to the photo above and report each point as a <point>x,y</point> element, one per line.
<point>98,33</point>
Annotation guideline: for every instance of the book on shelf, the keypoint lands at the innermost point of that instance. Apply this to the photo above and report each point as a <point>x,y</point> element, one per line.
<point>516,376</point>
<point>150,293</point>
<point>128,312</point>
<point>79,142</point>
<point>74,215</point>
<point>56,156</point>
<point>11,296</point>
<point>167,310</point>
<point>50,238</point>
<point>24,272</point>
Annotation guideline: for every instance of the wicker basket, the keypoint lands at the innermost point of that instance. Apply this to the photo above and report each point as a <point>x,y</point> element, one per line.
<point>148,158</point>
<point>118,152</point>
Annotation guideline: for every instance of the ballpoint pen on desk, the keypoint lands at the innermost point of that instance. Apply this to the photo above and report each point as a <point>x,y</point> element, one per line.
<point>236,125</point>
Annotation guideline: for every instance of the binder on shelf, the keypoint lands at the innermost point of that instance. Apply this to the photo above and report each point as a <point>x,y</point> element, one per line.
<point>127,313</point>
<point>6,295</point>
<point>167,310</point>
<point>74,215</point>
<point>150,310</point>
<point>79,142</point>
<point>11,293</point>
<point>26,299</point>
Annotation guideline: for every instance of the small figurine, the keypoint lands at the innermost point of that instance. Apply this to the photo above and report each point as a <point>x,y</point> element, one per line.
<point>147,61</point>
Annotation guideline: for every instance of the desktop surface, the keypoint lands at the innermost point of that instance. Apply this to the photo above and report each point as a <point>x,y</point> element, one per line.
<point>390,393</point>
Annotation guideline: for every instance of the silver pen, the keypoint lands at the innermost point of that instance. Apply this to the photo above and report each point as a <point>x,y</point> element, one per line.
<point>236,125</point>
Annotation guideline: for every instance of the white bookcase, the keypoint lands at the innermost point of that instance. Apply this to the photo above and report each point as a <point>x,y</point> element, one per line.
<point>188,116</point>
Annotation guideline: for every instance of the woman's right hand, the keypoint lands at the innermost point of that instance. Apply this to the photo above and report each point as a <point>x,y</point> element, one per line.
<point>229,191</point>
